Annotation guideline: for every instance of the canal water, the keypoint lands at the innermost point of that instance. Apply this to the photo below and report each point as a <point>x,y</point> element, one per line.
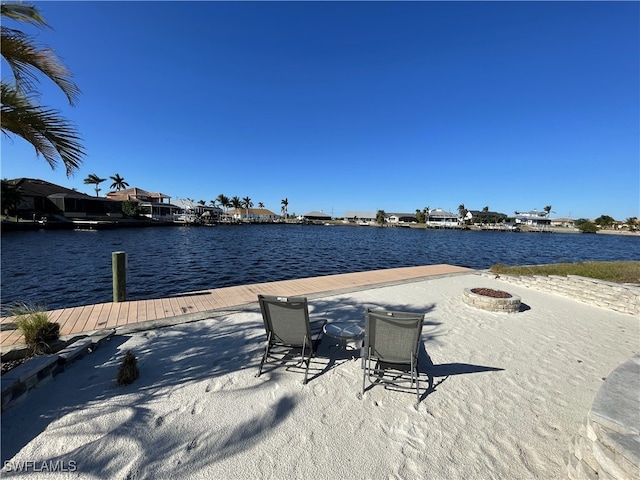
<point>64,268</point>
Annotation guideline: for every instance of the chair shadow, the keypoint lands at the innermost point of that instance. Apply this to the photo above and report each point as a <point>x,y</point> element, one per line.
<point>444,370</point>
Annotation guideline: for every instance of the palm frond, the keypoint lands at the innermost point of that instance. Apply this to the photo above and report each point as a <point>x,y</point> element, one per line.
<point>51,135</point>
<point>22,12</point>
<point>25,58</point>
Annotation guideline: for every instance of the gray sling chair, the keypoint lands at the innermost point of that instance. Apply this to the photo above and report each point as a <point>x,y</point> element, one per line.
<point>391,342</point>
<point>289,331</point>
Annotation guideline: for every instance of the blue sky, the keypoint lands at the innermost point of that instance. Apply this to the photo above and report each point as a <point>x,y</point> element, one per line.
<point>342,106</point>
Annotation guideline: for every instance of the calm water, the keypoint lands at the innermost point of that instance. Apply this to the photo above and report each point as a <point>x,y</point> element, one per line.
<point>70,268</point>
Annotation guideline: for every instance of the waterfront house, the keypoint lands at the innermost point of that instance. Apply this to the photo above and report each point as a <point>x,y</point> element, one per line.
<point>315,216</point>
<point>152,205</point>
<point>362,218</point>
<point>485,217</point>
<point>440,218</point>
<point>563,222</point>
<point>400,218</point>
<point>252,215</point>
<point>41,198</point>
<point>534,218</point>
<point>193,212</point>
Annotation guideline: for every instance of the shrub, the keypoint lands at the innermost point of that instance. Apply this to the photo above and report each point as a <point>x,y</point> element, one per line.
<point>588,227</point>
<point>131,208</point>
<point>34,324</point>
<point>128,370</point>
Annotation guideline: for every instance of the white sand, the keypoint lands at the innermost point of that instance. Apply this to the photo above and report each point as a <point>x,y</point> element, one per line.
<point>511,390</point>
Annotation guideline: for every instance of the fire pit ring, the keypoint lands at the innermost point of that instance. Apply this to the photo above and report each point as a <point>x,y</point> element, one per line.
<point>491,300</point>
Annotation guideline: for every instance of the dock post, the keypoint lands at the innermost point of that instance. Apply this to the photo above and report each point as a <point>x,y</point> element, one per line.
<point>119,271</point>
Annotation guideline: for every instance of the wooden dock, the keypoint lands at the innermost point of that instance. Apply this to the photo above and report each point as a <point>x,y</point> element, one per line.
<point>90,318</point>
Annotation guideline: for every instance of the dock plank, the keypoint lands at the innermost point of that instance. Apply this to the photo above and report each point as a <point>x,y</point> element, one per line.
<point>111,315</point>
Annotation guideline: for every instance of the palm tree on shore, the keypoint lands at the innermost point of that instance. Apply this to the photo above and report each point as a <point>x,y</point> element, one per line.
<point>93,179</point>
<point>547,209</point>
<point>285,204</point>
<point>50,134</point>
<point>118,183</point>
<point>223,200</point>
<point>236,203</point>
<point>260,205</point>
<point>462,211</point>
<point>246,201</point>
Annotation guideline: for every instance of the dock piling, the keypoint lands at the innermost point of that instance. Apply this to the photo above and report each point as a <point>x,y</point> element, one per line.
<point>119,271</point>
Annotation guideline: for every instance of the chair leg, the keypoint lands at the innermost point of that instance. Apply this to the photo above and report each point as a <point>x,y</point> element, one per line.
<point>414,374</point>
<point>306,371</point>
<point>365,369</point>
<point>264,358</point>
<point>266,354</point>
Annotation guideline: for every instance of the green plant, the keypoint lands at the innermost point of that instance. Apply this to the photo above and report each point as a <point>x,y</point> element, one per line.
<point>128,370</point>
<point>131,208</point>
<point>588,227</point>
<point>619,272</point>
<point>39,333</point>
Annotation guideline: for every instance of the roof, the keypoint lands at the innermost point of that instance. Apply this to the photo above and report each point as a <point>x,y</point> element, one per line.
<point>31,187</point>
<point>252,211</point>
<point>359,214</point>
<point>316,214</point>
<point>135,193</point>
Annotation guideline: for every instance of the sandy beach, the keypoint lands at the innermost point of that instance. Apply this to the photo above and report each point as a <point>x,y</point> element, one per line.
<point>509,391</point>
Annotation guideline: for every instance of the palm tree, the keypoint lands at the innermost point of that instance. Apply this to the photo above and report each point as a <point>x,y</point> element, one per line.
<point>118,182</point>
<point>51,135</point>
<point>462,211</point>
<point>246,201</point>
<point>427,211</point>
<point>95,180</point>
<point>223,200</point>
<point>285,204</point>
<point>236,203</point>
<point>547,209</point>
<point>260,205</point>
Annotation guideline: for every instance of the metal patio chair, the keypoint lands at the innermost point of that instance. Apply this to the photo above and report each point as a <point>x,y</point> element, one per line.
<point>391,342</point>
<point>290,333</point>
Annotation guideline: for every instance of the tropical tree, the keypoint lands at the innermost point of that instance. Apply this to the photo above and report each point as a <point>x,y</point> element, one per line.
<point>631,222</point>
<point>202,202</point>
<point>547,209</point>
<point>50,134</point>
<point>485,209</point>
<point>427,211</point>
<point>260,205</point>
<point>118,182</point>
<point>285,204</point>
<point>246,201</point>
<point>462,211</point>
<point>224,202</point>
<point>419,216</point>
<point>604,221</point>
<point>93,179</point>
<point>236,203</point>
<point>213,203</point>
<point>380,217</point>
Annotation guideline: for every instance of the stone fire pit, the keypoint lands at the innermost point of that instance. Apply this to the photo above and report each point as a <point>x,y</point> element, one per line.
<point>491,300</point>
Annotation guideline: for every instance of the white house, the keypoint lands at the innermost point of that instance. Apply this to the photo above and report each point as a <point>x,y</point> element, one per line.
<point>534,218</point>
<point>442,219</point>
